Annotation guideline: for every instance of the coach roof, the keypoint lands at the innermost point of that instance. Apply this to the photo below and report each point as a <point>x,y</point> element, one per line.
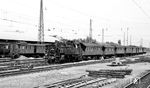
<point>96,44</point>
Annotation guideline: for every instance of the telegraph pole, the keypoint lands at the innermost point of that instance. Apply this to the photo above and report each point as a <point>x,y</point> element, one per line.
<point>141,42</point>
<point>90,33</point>
<point>41,24</point>
<point>130,40</point>
<point>102,35</point>
<point>124,38</point>
<point>127,35</point>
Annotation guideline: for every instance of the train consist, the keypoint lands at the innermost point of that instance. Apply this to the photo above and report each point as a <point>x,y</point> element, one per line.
<point>76,51</point>
<point>67,51</point>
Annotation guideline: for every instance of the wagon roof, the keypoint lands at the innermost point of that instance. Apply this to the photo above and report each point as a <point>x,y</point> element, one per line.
<point>133,46</point>
<point>95,44</point>
<point>116,45</point>
<point>3,43</point>
<point>32,44</point>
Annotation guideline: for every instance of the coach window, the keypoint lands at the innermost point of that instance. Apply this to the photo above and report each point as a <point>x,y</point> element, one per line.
<point>107,49</point>
<point>27,47</point>
<point>30,47</point>
<point>91,49</point>
<point>6,46</point>
<point>86,49</point>
<point>19,46</point>
<point>23,47</point>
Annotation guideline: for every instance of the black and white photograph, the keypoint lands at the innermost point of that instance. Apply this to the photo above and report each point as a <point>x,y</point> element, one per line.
<point>74,43</point>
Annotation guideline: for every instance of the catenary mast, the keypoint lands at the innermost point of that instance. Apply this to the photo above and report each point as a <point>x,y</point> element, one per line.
<point>41,24</point>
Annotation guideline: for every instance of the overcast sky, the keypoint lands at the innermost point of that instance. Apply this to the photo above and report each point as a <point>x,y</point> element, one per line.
<point>19,19</point>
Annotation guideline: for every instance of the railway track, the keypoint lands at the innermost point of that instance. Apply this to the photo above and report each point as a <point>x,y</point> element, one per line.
<point>68,83</point>
<point>82,82</point>
<point>13,72</point>
<point>10,71</point>
<point>97,83</point>
<point>12,62</point>
<point>16,64</point>
<point>141,82</point>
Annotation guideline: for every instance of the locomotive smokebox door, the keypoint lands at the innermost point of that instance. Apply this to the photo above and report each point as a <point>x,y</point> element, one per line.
<point>51,53</point>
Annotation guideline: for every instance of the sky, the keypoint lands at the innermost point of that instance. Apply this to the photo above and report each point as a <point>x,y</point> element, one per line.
<point>70,19</point>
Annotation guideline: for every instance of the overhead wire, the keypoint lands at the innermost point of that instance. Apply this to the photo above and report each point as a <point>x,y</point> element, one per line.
<point>13,19</point>
<point>140,7</point>
<point>100,18</point>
